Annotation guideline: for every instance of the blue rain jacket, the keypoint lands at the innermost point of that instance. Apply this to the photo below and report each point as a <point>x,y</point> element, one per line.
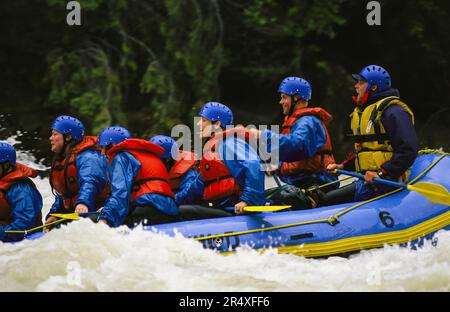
<point>244,165</point>
<point>122,171</point>
<point>191,189</point>
<point>26,205</point>
<point>92,180</point>
<point>306,138</point>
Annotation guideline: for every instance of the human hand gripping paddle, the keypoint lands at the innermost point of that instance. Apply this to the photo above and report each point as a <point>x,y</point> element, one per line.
<point>434,192</point>
<point>75,215</point>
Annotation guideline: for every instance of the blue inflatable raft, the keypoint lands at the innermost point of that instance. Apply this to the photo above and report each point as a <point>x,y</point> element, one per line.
<point>398,217</point>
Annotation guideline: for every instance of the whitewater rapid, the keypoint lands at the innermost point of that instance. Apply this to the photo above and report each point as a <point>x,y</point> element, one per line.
<point>84,256</point>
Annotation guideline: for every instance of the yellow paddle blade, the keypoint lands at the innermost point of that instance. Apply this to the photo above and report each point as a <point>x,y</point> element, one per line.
<point>265,208</point>
<point>434,192</point>
<point>67,216</point>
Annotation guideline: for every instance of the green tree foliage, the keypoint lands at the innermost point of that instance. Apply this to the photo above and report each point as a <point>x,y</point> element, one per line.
<point>169,54</point>
<point>85,83</point>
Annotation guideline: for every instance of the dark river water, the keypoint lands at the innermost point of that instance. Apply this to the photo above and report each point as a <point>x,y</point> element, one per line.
<point>31,139</point>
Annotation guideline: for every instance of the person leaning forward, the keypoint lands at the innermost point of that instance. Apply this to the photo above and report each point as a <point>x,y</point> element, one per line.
<point>385,141</point>
<point>230,167</point>
<point>184,175</point>
<point>20,201</point>
<point>78,172</point>
<point>140,191</point>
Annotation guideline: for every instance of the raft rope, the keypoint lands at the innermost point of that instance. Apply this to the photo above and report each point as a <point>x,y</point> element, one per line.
<point>312,188</point>
<point>334,219</point>
<point>36,228</point>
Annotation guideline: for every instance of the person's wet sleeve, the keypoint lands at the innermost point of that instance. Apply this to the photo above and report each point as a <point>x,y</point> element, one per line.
<point>191,189</point>
<point>92,178</point>
<point>244,165</point>
<point>57,206</point>
<point>26,206</point>
<point>306,137</point>
<point>122,171</point>
<point>402,135</point>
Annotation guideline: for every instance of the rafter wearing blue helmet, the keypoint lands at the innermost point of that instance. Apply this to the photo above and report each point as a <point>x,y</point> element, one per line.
<point>298,89</point>
<point>20,201</point>
<point>385,141</point>
<point>304,145</point>
<point>78,174</point>
<point>140,190</point>
<point>215,111</point>
<point>378,81</point>
<point>184,176</point>
<point>111,136</point>
<point>230,167</point>
<point>168,144</point>
<point>69,125</point>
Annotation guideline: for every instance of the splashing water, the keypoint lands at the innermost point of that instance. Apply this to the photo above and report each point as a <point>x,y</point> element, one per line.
<point>84,256</point>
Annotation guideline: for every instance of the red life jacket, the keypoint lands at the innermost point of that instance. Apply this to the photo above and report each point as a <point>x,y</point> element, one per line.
<point>323,156</point>
<point>185,162</point>
<point>219,183</point>
<point>20,173</point>
<point>152,177</point>
<point>64,176</point>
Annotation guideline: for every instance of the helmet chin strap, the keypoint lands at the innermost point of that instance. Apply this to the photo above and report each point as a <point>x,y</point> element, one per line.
<point>65,147</point>
<point>215,128</point>
<point>293,103</point>
<point>5,169</point>
<point>108,147</point>
<point>66,142</point>
<point>169,162</point>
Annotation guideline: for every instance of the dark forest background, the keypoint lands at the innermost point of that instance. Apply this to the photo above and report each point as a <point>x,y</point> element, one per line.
<point>149,65</point>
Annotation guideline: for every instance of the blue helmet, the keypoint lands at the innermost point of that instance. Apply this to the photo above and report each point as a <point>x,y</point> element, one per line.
<point>296,85</point>
<point>374,74</point>
<point>113,135</point>
<point>166,143</point>
<point>215,111</point>
<point>69,125</point>
<point>7,153</point>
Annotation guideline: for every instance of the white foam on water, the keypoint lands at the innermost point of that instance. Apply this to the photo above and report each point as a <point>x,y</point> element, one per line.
<point>84,256</point>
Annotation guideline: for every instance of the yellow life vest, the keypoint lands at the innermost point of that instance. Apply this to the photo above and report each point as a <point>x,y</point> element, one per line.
<point>372,146</point>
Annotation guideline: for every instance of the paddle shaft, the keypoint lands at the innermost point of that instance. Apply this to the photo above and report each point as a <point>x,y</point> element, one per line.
<point>277,179</point>
<point>378,180</point>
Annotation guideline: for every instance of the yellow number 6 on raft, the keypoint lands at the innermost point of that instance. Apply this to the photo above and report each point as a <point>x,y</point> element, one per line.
<point>74,16</point>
